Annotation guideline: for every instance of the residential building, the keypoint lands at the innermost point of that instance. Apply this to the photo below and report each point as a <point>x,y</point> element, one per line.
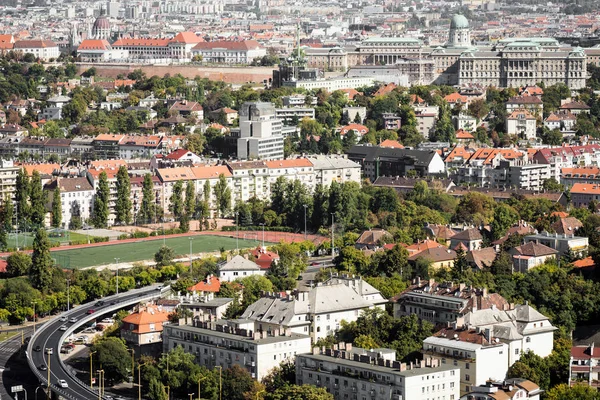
<point>507,389</point>
<point>144,326</point>
<point>301,169</point>
<point>226,343</point>
<point>371,239</point>
<point>182,44</point>
<point>391,121</point>
<point>106,146</point>
<point>379,161</point>
<point>530,255</point>
<point>584,366</point>
<point>522,124</point>
<point>587,175</point>
<point>260,132</point>
<point>349,372</point>
<point>229,52</point>
<point>188,109</point>
<point>76,197</point>
<point>485,343</point>
<point>42,49</point>
<point>532,104</point>
<point>308,313</point>
<point>444,302</point>
<point>574,107</point>
<point>427,117</point>
<point>292,115</point>
<point>359,130</point>
<point>351,113</point>
<point>8,180</point>
<point>582,194</point>
<point>438,257</point>
<point>144,49</point>
<point>465,123</point>
<point>334,168</point>
<point>237,268</point>
<point>565,244</point>
<point>471,239</point>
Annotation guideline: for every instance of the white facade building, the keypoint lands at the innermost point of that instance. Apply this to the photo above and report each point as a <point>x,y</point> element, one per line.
<point>237,268</point>
<point>76,196</point>
<point>317,312</point>
<point>332,168</point>
<point>42,49</point>
<point>227,343</point>
<point>260,132</point>
<point>521,123</point>
<point>355,373</point>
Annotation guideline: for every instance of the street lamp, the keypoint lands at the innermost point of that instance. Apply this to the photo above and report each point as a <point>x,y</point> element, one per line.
<point>100,383</point>
<point>49,385</point>
<point>140,380</point>
<point>191,395</point>
<point>33,302</point>
<point>305,207</point>
<point>199,392</point>
<point>91,374</point>
<point>220,381</point>
<point>263,227</point>
<point>166,354</point>
<point>191,240</point>
<point>68,295</point>
<point>237,236</point>
<point>117,265</point>
<point>132,365</point>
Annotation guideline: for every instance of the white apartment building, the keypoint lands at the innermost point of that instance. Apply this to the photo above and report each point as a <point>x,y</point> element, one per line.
<point>317,312</point>
<point>332,168</point>
<point>477,358</point>
<point>564,244</point>
<point>289,115</point>
<point>238,267</point>
<point>8,180</point>
<point>485,343</point>
<point>260,132</point>
<point>227,343</point>
<point>249,179</point>
<point>522,123</point>
<point>301,169</point>
<point>76,197</point>
<point>353,373</point>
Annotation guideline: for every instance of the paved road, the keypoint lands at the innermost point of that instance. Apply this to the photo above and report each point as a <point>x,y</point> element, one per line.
<point>51,337</point>
<point>13,367</point>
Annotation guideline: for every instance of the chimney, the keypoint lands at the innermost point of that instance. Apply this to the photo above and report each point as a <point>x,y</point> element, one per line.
<point>402,367</point>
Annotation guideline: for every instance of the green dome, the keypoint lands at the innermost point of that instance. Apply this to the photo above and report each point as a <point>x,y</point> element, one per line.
<point>459,22</point>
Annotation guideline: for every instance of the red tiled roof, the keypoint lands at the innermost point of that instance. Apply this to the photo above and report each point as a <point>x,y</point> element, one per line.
<point>34,44</point>
<point>210,284</point>
<point>391,143</point>
<point>93,44</point>
<point>584,263</point>
<point>187,37</point>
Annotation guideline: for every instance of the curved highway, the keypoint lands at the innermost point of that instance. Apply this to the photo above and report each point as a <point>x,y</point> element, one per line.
<point>51,337</point>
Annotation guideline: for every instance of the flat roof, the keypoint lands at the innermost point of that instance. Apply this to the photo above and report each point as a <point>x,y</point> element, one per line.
<point>231,336</point>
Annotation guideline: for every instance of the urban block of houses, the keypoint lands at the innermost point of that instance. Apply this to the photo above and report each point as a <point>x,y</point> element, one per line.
<point>144,326</point>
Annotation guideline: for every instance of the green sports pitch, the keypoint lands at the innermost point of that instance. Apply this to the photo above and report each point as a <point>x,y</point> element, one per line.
<point>145,250</point>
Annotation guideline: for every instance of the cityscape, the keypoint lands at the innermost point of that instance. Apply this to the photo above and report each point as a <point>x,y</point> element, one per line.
<point>332,200</point>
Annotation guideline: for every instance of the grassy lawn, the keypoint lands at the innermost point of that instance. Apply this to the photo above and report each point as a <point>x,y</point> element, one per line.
<point>131,252</point>
<point>7,335</point>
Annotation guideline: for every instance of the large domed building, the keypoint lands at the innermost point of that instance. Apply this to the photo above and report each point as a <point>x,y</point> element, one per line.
<point>101,28</point>
<point>460,33</point>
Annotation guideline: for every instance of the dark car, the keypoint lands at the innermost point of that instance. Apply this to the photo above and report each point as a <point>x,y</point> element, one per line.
<point>37,348</point>
<point>43,367</point>
<point>99,303</point>
<point>112,303</point>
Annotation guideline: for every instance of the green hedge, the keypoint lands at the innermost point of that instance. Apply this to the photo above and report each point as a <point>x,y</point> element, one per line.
<point>258,228</point>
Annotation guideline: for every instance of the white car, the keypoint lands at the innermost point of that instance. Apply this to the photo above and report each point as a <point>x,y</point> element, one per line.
<point>63,319</point>
<point>72,320</point>
<point>49,350</point>
<point>63,328</point>
<point>62,383</point>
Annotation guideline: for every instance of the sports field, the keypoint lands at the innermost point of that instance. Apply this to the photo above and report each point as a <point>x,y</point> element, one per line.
<point>144,250</point>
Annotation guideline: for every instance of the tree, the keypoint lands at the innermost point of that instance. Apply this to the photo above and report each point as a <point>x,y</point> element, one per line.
<point>352,260</point>
<point>37,200</point>
<point>393,261</point>
<point>18,264</point>
<point>222,195</point>
<point>123,201</point>
<point>533,367</point>
<point>100,215</point>
<point>190,199</point>
<point>112,354</point>
<point>40,273</point>
<point>146,211</point>
<point>479,109</point>
<point>296,392</point>
<point>156,390</point>
<point>552,185</point>
<point>281,376</point>
<point>237,382</point>
<point>578,391</point>
<point>504,217</point>
<point>176,200</point>
<point>195,143</point>
<point>56,208</point>
<point>164,256</point>
<point>22,197</point>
